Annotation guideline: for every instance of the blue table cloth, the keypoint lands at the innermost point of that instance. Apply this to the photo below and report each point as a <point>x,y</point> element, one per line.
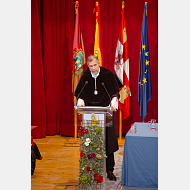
<point>140,157</point>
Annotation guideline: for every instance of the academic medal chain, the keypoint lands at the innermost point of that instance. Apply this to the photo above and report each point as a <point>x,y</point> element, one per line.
<point>95,92</point>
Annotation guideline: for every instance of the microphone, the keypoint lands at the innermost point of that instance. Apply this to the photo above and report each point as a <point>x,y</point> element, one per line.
<point>107,92</point>
<point>81,90</point>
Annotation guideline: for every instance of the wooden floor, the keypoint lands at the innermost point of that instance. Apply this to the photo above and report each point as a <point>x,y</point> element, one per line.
<point>59,165</point>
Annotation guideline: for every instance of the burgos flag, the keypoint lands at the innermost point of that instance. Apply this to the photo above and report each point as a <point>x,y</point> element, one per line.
<point>144,82</point>
<point>98,37</point>
<point>78,52</point>
<point>121,67</point>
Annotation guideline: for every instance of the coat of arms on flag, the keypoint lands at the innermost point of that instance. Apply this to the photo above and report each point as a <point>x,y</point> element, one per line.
<point>78,60</point>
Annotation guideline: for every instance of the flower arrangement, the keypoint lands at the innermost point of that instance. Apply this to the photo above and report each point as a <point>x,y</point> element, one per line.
<point>92,152</point>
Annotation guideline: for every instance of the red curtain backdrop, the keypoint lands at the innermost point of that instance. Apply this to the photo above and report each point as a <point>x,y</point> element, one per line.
<point>52,31</point>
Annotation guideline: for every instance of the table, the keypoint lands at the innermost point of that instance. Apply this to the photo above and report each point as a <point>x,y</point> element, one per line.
<point>140,157</point>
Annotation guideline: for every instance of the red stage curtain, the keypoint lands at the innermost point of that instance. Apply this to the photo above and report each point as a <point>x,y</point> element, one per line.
<point>52,30</point>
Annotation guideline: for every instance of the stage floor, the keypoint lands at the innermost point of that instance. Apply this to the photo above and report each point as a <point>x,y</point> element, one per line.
<point>59,165</point>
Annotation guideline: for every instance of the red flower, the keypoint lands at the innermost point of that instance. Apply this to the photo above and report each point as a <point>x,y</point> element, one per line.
<point>89,156</point>
<point>88,168</point>
<point>95,178</point>
<point>96,174</point>
<point>85,131</point>
<point>81,154</point>
<point>80,133</point>
<point>100,179</point>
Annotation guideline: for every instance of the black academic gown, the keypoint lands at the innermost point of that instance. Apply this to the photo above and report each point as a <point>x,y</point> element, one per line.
<point>112,84</point>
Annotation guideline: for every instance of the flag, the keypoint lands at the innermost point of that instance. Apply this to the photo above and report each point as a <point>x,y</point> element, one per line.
<point>144,82</point>
<point>98,38</point>
<point>78,52</point>
<point>121,67</point>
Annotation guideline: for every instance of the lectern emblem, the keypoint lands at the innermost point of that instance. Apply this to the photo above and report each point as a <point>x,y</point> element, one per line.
<point>92,116</point>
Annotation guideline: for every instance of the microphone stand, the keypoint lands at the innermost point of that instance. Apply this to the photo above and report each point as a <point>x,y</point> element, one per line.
<point>107,92</point>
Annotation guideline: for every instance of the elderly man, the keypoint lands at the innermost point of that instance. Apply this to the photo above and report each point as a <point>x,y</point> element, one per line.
<point>99,86</point>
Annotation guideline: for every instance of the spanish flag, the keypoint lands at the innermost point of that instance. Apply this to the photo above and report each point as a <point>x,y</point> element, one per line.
<point>98,37</point>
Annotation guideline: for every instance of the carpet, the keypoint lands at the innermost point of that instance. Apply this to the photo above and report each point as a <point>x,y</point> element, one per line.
<point>116,185</point>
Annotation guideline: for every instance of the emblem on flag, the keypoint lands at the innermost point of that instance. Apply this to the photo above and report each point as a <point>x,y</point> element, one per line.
<point>124,35</point>
<point>96,52</point>
<point>119,60</point>
<point>124,93</point>
<point>78,59</point>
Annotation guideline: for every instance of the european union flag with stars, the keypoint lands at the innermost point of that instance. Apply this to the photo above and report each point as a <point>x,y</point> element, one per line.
<point>144,82</point>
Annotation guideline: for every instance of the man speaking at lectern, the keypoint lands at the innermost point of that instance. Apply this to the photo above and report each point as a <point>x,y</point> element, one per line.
<point>99,86</point>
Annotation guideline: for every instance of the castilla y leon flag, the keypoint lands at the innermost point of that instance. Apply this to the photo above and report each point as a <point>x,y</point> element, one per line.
<point>78,52</point>
<point>121,67</point>
<point>98,38</point>
<point>144,82</point>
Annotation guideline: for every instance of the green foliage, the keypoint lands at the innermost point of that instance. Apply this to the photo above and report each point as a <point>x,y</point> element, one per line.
<point>92,152</point>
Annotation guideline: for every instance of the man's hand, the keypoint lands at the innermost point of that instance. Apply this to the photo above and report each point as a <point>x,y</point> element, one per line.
<point>113,108</point>
<point>114,104</point>
<point>80,102</point>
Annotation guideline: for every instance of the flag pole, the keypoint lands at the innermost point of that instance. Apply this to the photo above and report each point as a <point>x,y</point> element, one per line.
<point>120,125</point>
<point>75,135</point>
<point>121,141</point>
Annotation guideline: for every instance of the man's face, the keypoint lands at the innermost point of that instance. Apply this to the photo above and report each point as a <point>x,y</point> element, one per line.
<point>94,67</point>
